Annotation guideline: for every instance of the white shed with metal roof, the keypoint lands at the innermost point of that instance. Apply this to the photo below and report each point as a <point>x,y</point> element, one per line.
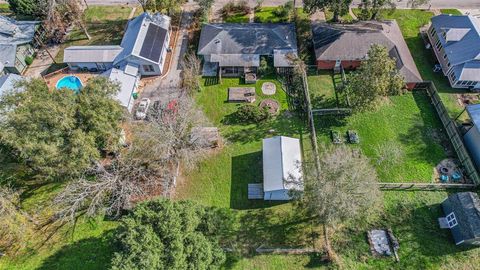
<point>282,172</point>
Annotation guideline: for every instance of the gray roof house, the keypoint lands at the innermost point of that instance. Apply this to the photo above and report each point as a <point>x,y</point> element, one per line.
<point>144,44</point>
<point>455,41</point>
<point>462,217</point>
<point>348,44</point>
<point>142,52</point>
<point>282,171</point>
<point>16,43</point>
<point>236,48</point>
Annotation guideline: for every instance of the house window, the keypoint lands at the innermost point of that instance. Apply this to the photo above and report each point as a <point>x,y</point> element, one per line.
<point>148,68</point>
<point>452,220</point>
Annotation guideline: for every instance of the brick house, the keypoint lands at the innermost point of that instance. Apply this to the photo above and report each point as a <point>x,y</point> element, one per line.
<point>347,46</point>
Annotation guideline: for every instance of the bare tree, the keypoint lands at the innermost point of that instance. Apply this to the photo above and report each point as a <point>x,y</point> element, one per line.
<point>344,187</point>
<point>148,168</point>
<point>191,70</point>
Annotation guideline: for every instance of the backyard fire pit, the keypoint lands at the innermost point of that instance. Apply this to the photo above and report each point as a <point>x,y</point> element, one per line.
<point>272,106</point>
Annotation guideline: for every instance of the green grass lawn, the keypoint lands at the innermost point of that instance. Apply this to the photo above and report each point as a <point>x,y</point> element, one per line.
<point>237,18</point>
<point>321,86</point>
<point>408,123</point>
<point>267,15</point>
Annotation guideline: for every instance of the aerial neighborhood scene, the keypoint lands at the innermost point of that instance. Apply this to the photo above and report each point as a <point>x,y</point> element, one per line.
<point>239,134</point>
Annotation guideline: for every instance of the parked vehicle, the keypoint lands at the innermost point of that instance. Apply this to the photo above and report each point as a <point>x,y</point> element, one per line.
<point>353,136</point>
<point>142,109</point>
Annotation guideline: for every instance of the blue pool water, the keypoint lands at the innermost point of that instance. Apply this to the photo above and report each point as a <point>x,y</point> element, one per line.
<point>70,82</point>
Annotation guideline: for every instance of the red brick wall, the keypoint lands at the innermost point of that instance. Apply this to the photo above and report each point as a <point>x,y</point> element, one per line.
<point>326,64</point>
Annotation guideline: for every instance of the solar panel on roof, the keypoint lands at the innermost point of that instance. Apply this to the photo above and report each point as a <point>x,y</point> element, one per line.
<point>153,43</point>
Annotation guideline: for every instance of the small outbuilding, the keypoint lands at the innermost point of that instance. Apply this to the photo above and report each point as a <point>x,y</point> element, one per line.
<point>462,217</point>
<point>282,172</point>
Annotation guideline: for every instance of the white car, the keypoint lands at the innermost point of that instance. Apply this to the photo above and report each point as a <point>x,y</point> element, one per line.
<point>142,109</point>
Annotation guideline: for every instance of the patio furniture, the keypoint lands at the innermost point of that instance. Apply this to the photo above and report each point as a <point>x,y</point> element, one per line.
<point>241,94</point>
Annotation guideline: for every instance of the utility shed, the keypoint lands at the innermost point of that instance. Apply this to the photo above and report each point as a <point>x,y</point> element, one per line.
<point>462,214</point>
<point>282,158</point>
<point>472,137</point>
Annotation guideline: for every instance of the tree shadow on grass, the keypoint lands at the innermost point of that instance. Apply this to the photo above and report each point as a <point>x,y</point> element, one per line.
<point>89,253</point>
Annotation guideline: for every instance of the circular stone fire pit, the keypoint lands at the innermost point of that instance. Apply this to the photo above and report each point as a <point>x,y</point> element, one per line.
<point>444,170</point>
<point>269,88</point>
<point>271,104</point>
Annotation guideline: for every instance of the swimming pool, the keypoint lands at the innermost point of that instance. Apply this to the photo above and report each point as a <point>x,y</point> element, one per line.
<point>70,82</point>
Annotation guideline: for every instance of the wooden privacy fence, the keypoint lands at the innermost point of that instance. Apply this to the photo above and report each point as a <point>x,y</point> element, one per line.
<point>452,132</point>
<point>424,186</point>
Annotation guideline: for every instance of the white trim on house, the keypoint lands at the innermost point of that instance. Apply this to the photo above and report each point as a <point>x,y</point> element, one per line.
<point>451,220</point>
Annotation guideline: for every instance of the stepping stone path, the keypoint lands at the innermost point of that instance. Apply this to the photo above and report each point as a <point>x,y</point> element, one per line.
<point>269,88</point>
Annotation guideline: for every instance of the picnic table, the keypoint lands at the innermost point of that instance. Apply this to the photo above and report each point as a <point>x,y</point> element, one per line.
<point>241,94</point>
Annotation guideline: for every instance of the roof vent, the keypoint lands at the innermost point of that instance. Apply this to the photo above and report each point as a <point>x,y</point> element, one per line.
<point>217,41</point>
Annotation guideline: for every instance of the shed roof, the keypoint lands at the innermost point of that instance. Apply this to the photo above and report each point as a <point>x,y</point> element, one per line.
<point>474,114</point>
<point>91,54</point>
<point>246,38</point>
<point>462,37</point>
<point>281,161</point>
<point>144,41</point>
<point>352,41</point>
<point>466,207</point>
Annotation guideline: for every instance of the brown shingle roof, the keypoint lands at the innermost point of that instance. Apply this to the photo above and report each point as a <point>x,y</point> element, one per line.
<point>352,42</point>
